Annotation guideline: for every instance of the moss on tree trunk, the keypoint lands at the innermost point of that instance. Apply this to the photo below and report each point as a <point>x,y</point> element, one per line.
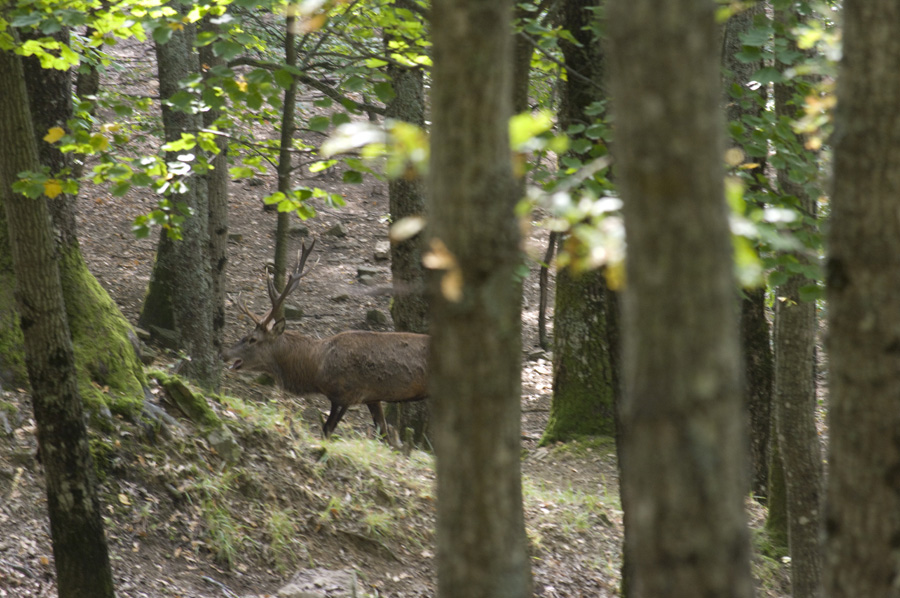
<point>583,377</point>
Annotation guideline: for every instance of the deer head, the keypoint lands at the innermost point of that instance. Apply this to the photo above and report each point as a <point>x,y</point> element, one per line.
<point>253,352</point>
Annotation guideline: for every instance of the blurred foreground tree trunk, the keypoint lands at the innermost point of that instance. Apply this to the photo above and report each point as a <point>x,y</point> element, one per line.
<point>743,102</point>
<point>76,528</point>
<point>683,437</point>
<point>863,518</point>
<point>476,309</point>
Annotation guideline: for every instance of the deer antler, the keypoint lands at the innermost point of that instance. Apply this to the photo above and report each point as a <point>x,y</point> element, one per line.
<point>292,282</point>
<point>245,309</point>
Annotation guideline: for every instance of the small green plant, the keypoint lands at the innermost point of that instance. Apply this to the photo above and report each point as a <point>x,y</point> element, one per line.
<point>225,536</point>
<point>378,523</point>
<point>282,537</point>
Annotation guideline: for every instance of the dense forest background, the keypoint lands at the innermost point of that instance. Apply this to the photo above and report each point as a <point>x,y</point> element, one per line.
<point>653,419</point>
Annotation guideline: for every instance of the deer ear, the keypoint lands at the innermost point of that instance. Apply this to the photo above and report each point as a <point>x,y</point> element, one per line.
<point>277,327</point>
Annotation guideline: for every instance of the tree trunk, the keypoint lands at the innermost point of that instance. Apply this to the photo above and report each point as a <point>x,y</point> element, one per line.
<point>476,321</point>
<point>285,157</point>
<point>863,519</point>
<point>109,371</point>
<point>409,307</point>
<point>180,294</point>
<point>217,190</point>
<point>795,381</point>
<point>683,438</point>
<point>76,528</point>
<point>585,384</point>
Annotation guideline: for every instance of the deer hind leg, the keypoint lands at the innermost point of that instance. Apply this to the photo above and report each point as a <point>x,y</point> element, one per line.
<point>337,412</point>
<point>378,418</point>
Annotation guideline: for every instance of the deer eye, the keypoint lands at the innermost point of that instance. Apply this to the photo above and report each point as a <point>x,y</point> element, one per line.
<point>251,340</point>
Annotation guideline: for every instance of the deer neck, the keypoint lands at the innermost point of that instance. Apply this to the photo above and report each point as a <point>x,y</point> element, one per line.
<point>297,360</point>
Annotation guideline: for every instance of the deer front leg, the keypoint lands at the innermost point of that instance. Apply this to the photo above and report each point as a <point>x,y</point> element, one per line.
<point>337,412</point>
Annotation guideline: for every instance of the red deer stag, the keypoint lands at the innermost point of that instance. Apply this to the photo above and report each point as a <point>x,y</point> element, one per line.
<point>350,368</point>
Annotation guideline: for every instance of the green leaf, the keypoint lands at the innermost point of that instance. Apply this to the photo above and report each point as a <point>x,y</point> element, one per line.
<point>385,91</point>
<point>354,83</point>
<point>811,292</point>
<point>352,176</point>
<point>778,278</point>
<point>319,124</point>
<point>767,75</point>
<point>227,49</point>
<point>162,34</point>
<point>340,118</point>
<point>758,37</point>
<point>283,78</point>
<point>121,188</point>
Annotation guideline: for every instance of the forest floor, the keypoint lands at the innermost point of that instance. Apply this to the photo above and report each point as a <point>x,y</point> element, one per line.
<point>326,515</point>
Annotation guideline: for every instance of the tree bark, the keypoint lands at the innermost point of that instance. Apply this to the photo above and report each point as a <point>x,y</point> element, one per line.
<point>585,383</point>
<point>409,308</point>
<point>217,190</point>
<point>104,342</point>
<point>180,294</point>
<point>76,528</point>
<point>863,518</point>
<point>476,336</point>
<point>795,378</point>
<point>683,438</point>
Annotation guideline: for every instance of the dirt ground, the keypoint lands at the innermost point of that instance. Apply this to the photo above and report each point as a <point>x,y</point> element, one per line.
<point>162,537</point>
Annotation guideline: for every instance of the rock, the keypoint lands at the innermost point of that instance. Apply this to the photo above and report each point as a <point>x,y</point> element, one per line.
<point>222,440</point>
<point>164,337</point>
<point>298,230</point>
<point>382,251</point>
<point>235,238</point>
<point>343,298</point>
<point>367,280</point>
<point>367,271</point>
<point>292,312</point>
<point>537,354</point>
<point>376,317</point>
<point>338,230</point>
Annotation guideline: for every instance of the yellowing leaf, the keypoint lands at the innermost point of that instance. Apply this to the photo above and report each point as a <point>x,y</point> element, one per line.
<point>615,275</point>
<point>406,228</point>
<point>176,26</point>
<point>124,500</point>
<point>439,257</point>
<point>53,135</point>
<point>52,188</point>
<point>452,285</point>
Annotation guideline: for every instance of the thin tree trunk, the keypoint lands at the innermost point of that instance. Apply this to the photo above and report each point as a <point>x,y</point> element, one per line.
<point>285,161</point>
<point>863,519</point>
<point>683,437</point>
<point>217,189</point>
<point>409,307</point>
<point>476,336</point>
<point>76,528</point>
<point>795,385</point>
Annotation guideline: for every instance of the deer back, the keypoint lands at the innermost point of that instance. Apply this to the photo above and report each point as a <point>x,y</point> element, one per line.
<point>362,367</point>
